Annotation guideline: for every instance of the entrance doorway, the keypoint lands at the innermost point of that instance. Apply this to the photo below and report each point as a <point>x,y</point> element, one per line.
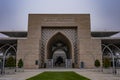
<point>59,58</point>
<point>59,52</point>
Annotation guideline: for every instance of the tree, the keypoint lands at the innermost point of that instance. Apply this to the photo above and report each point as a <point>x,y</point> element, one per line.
<point>106,63</point>
<point>97,63</point>
<point>10,62</point>
<point>20,63</point>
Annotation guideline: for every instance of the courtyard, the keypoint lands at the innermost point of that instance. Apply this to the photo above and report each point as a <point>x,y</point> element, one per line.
<point>89,73</point>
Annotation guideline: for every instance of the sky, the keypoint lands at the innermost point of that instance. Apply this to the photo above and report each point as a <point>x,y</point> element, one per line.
<point>105,14</point>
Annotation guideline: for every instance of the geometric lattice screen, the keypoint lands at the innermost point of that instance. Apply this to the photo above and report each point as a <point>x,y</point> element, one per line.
<point>48,32</point>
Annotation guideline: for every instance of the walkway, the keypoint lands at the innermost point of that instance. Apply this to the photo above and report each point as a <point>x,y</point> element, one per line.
<point>85,72</point>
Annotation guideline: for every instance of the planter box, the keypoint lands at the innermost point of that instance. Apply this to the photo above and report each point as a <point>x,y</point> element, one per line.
<point>9,70</point>
<point>108,70</point>
<point>20,69</point>
<point>118,72</point>
<point>97,70</point>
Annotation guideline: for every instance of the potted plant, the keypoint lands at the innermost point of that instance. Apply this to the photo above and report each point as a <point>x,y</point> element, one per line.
<point>10,65</point>
<point>20,65</point>
<point>97,64</point>
<point>106,65</point>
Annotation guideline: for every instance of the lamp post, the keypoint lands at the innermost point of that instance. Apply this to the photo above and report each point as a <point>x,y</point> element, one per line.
<point>117,60</point>
<point>1,62</point>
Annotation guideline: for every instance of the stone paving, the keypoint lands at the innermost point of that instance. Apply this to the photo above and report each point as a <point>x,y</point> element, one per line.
<point>89,73</point>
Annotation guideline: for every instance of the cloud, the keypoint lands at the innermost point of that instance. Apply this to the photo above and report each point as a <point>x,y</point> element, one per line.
<point>104,13</point>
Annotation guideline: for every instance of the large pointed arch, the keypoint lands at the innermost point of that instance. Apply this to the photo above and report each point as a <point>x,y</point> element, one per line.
<point>56,39</point>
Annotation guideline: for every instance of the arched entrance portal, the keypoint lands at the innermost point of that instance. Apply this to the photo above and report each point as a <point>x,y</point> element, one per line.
<point>59,51</point>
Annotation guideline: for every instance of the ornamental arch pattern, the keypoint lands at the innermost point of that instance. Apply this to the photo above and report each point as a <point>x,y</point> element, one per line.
<point>48,33</point>
<point>112,51</point>
<point>56,39</point>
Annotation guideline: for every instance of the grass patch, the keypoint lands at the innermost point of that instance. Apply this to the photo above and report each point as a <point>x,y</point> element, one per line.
<point>49,75</point>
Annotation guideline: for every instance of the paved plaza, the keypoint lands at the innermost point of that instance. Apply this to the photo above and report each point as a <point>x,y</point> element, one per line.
<point>89,73</point>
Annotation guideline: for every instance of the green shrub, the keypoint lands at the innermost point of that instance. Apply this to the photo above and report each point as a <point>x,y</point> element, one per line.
<point>20,63</point>
<point>106,63</point>
<point>10,62</point>
<point>97,63</point>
